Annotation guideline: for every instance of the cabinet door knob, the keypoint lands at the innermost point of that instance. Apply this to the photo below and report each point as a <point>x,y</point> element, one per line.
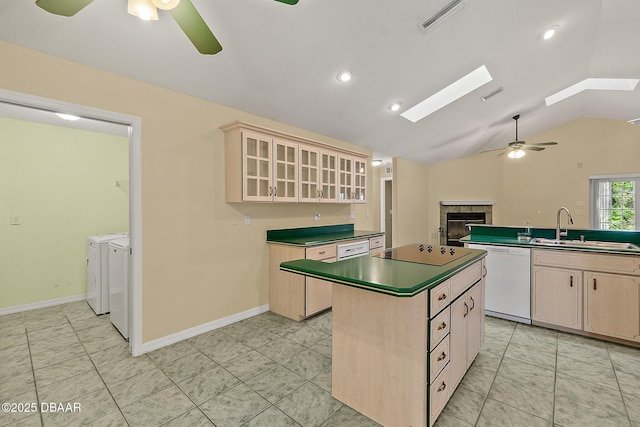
<point>442,326</point>
<point>442,356</point>
<point>442,387</point>
<point>442,297</point>
<point>595,284</point>
<point>571,281</point>
<point>270,190</point>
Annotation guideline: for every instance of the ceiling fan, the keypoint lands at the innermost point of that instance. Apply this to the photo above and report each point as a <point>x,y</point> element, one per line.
<point>183,12</point>
<point>515,149</point>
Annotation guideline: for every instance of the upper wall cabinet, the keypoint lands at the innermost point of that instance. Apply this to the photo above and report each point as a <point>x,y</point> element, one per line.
<point>263,165</point>
<point>352,173</point>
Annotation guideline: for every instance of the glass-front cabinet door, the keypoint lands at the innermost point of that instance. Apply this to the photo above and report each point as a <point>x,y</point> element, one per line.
<point>359,180</point>
<point>345,179</point>
<point>328,176</point>
<point>309,161</point>
<point>256,168</point>
<point>285,171</point>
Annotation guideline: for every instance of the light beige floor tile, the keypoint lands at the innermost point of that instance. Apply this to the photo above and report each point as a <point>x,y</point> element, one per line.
<point>168,354</point>
<point>158,408</point>
<point>346,416</point>
<point>271,416</point>
<point>496,414</point>
<point>275,383</point>
<point>234,407</point>
<point>140,386</point>
<point>465,405</point>
<point>192,418</point>
<point>208,384</point>
<point>126,368</point>
<point>93,407</point>
<point>248,365</point>
<point>63,370</point>
<point>309,405</point>
<point>187,366</point>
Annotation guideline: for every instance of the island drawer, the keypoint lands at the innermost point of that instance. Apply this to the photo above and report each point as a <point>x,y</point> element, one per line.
<point>439,328</point>
<point>439,394</point>
<point>438,358</point>
<point>376,242</point>
<point>463,280</point>
<point>439,297</point>
<point>321,252</point>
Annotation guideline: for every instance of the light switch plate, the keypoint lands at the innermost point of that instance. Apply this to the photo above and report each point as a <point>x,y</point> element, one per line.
<point>353,215</point>
<point>15,220</point>
<point>247,219</point>
<point>316,216</point>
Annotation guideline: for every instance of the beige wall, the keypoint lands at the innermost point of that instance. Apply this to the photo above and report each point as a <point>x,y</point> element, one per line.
<point>534,187</point>
<point>410,202</point>
<point>200,262</point>
<point>60,182</point>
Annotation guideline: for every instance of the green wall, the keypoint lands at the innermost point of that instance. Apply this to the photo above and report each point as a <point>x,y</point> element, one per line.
<point>61,184</point>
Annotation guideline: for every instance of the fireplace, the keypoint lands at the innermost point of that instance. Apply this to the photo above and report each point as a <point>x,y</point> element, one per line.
<point>454,215</point>
<point>456,225</point>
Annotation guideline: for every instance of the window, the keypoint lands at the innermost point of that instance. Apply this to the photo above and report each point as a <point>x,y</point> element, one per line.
<point>614,202</point>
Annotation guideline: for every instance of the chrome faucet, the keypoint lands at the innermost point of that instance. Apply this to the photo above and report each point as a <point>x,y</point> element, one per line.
<point>565,232</point>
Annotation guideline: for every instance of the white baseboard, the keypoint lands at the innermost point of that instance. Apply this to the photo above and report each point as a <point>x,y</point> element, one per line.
<point>201,329</point>
<point>41,304</point>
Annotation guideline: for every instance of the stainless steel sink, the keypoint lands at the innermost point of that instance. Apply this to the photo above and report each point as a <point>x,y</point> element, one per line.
<point>586,244</point>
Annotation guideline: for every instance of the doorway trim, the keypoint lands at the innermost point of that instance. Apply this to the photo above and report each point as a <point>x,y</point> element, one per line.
<point>135,188</point>
<point>383,180</point>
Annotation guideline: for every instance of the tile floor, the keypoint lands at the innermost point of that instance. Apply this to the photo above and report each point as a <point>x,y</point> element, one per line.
<point>270,371</point>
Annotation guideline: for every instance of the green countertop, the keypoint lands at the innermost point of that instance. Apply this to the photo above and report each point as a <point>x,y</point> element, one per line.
<point>396,278</point>
<point>507,236</point>
<point>309,236</point>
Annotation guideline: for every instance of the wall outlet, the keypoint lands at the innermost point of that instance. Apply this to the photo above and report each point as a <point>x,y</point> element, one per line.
<point>15,220</point>
<point>316,216</point>
<point>247,219</point>
<point>353,215</point>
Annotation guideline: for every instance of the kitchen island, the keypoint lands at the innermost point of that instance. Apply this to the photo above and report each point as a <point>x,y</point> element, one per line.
<point>407,323</point>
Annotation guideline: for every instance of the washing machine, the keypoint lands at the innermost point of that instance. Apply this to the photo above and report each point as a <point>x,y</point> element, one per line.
<point>119,289</point>
<point>98,271</point>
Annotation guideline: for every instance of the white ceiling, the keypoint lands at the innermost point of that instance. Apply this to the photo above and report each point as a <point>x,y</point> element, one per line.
<point>280,62</point>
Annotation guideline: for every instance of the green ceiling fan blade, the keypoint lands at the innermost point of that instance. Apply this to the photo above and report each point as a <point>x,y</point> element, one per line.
<point>188,18</point>
<point>63,7</point>
<point>291,2</point>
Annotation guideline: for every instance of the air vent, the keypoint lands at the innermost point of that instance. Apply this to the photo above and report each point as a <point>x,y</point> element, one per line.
<point>444,13</point>
<point>389,170</point>
<point>494,93</point>
<point>635,121</point>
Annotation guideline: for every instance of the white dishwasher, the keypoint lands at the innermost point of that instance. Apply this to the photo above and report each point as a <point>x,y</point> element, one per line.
<point>508,282</point>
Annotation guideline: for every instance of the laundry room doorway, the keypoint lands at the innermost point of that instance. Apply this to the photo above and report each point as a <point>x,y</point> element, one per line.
<point>64,180</point>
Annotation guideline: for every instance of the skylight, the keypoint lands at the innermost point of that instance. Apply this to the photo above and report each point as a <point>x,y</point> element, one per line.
<point>456,90</point>
<point>592,84</point>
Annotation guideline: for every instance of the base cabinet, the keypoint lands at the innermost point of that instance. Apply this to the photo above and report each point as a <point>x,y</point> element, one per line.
<point>612,305</point>
<point>399,375</point>
<point>591,294</point>
<point>465,332</point>
<point>557,296</point>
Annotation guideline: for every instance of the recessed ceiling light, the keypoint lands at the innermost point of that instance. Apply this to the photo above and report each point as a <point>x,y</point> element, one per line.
<point>394,106</point>
<point>69,117</point>
<point>592,84</point>
<point>344,76</point>
<point>472,81</point>
<point>550,32</point>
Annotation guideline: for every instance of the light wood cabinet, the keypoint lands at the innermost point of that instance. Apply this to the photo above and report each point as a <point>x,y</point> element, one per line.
<point>294,296</point>
<point>592,294</point>
<point>352,179</point>
<point>318,175</point>
<point>612,305</point>
<point>380,342</point>
<point>263,165</point>
<point>557,296</point>
<point>376,244</point>
<point>465,333</point>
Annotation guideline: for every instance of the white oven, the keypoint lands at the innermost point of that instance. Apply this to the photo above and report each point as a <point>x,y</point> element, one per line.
<point>354,249</point>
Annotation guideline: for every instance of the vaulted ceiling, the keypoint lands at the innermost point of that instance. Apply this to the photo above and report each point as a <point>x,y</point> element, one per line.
<point>280,62</point>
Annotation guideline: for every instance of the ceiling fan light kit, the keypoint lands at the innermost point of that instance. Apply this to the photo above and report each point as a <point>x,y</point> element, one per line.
<point>165,4</point>
<point>143,9</point>
<point>516,149</point>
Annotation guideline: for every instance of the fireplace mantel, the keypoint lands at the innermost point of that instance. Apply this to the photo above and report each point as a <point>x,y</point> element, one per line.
<point>467,202</point>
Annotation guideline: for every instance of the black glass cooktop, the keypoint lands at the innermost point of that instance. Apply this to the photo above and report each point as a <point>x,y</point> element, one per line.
<point>424,254</point>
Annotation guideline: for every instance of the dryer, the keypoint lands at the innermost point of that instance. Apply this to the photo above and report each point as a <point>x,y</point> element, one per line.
<point>98,271</point>
<point>119,290</point>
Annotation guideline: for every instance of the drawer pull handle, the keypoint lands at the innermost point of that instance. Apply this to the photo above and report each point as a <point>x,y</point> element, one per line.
<point>571,281</point>
<point>442,326</point>
<point>466,310</point>
<point>322,252</point>
<point>484,267</point>
<point>595,284</point>
<point>442,356</point>
<point>442,297</point>
<point>474,303</point>
<point>442,387</point>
